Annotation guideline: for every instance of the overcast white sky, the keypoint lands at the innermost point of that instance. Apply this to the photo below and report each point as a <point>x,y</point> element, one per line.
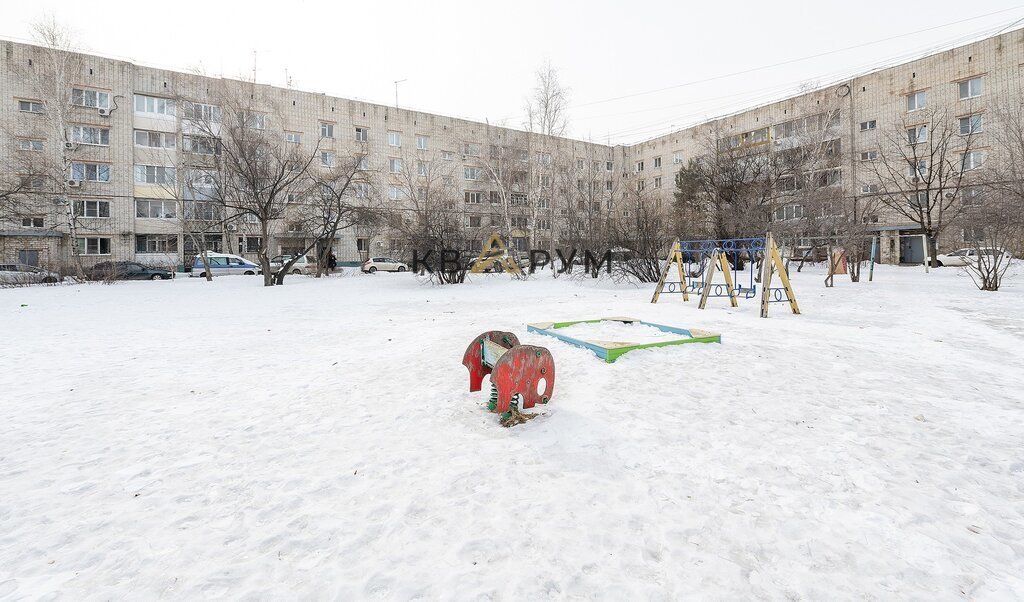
<point>477,59</point>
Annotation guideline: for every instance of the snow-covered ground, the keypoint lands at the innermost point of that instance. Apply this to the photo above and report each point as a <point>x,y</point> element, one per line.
<point>192,440</point>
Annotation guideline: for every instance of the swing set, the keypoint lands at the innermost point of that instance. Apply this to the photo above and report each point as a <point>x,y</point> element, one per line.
<point>697,262</point>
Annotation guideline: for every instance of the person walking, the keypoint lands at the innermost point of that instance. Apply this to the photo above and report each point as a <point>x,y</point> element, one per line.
<point>332,262</point>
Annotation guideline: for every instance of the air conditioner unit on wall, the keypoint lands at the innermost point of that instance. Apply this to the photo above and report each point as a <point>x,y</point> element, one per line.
<point>74,183</point>
<point>104,112</point>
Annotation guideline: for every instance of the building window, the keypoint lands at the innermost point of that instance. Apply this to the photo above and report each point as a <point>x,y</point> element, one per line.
<point>422,142</point>
<point>394,139</point>
<point>395,165</point>
<point>327,130</point>
<point>869,155</point>
<point>971,196</point>
<point>471,149</point>
<point>154,174</point>
<point>90,172</point>
<point>92,208</point>
<point>362,190</point>
<point>154,139</point>
<point>789,212</point>
<point>917,135</point>
<point>970,88</point>
<point>93,245</point>
<point>474,197</point>
<point>197,111</point>
<point>657,182</point>
<point>609,166</point>
<point>253,120</point>
<point>362,134</point>
<point>918,171</point>
<point>471,173</point>
<point>364,163</point>
<point>253,244</point>
<point>155,208</point>
<point>640,185</point>
<point>657,162</point>
<point>473,221</point>
<point>520,222</point>
<point>868,125</point>
<point>82,97</point>
<point>151,105</point>
<point>828,177</point>
<point>447,156</point>
<point>81,134</point>
<point>917,101</point>
<point>202,211</point>
<point>327,158</point>
<point>32,222</point>
<point>30,106</point>
<point>971,124</point>
<point>422,168</point>
<point>974,235</point>
<point>639,166</point>
<point>394,193</point>
<point>200,145</point>
<point>29,144</point>
<point>972,160</point>
<point>156,243</point>
<point>869,188</point>
<point>294,137</point>
<point>580,163</point>
<point>919,199</point>
<point>32,182</point>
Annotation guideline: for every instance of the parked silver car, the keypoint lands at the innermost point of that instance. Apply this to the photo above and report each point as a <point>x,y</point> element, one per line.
<point>19,273</point>
<point>305,264</point>
<point>383,264</point>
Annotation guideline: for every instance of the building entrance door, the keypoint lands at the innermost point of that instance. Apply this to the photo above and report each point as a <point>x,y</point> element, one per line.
<point>911,249</point>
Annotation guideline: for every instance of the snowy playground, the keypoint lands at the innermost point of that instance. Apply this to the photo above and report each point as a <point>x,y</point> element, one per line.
<point>318,440</point>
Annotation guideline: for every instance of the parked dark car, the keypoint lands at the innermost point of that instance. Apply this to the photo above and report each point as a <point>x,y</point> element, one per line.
<point>127,270</point>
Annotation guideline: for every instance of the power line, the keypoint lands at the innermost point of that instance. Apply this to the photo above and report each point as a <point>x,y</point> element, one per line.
<point>832,78</point>
<point>796,60</point>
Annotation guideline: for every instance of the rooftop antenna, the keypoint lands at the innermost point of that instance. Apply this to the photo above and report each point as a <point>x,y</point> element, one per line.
<point>398,81</point>
<point>254,66</point>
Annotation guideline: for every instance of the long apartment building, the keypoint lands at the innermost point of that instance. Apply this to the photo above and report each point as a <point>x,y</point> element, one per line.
<point>968,84</point>
<point>124,136</point>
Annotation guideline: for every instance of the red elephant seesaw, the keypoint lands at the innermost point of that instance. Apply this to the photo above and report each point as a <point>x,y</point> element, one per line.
<point>518,372</point>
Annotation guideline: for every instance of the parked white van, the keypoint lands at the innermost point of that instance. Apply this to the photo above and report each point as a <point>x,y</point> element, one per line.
<point>223,264</point>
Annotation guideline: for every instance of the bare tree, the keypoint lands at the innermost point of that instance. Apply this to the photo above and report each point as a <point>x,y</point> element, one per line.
<point>50,76</point>
<point>431,220</point>
<point>339,198</point>
<point>730,188</point>
<point>254,168</point>
<point>506,171</point>
<point>992,212</point>
<point>643,230</point>
<point>587,195</point>
<point>923,168</point>
<point>547,105</point>
<point>992,223</point>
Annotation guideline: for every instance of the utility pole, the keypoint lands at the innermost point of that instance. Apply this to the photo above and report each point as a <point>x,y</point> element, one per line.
<point>398,81</point>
